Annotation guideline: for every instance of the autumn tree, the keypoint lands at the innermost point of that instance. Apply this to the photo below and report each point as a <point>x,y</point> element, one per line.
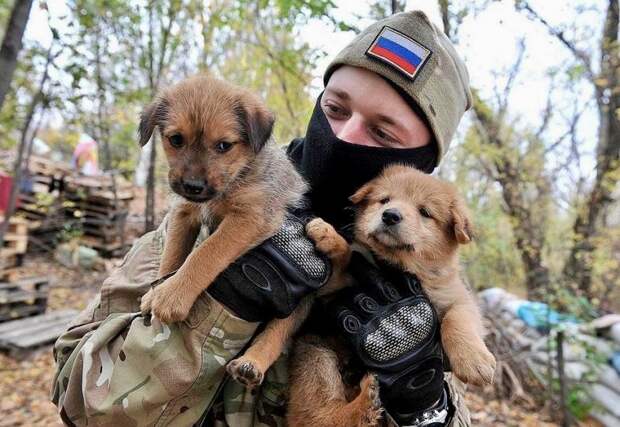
<point>604,77</point>
<point>12,44</point>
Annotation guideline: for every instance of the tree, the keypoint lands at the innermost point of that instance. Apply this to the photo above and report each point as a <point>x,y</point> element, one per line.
<point>515,160</point>
<point>23,145</point>
<point>606,84</point>
<point>12,44</point>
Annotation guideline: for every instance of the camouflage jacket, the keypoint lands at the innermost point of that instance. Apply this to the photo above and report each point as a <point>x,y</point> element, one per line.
<point>114,367</point>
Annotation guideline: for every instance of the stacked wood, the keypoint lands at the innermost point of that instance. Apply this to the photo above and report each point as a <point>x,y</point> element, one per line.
<point>15,243</point>
<point>102,205</point>
<point>21,337</point>
<point>41,201</point>
<point>23,297</point>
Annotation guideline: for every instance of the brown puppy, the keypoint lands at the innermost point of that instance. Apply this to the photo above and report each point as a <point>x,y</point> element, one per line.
<point>215,136</point>
<point>416,222</point>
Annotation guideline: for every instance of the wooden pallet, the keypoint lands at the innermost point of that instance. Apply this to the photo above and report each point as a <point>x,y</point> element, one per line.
<point>43,166</point>
<point>23,297</point>
<point>17,225</point>
<point>22,337</point>
<point>16,238</point>
<point>112,248</point>
<point>10,258</point>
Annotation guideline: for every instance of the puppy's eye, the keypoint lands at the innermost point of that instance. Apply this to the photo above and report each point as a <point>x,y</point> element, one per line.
<point>425,213</point>
<point>176,140</point>
<point>223,146</point>
<point>384,200</point>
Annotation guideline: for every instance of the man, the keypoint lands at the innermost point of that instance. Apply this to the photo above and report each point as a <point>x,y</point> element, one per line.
<point>395,94</point>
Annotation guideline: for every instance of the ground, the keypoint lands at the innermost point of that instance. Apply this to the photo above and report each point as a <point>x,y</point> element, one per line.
<point>25,385</point>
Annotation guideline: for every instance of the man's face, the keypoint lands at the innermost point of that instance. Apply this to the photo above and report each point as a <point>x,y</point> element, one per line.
<point>364,109</point>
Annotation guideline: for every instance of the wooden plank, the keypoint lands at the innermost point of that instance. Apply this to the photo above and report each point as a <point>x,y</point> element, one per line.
<point>22,296</point>
<point>21,311</point>
<point>42,337</point>
<point>18,333</point>
<point>34,280</point>
<point>19,242</point>
<point>29,322</point>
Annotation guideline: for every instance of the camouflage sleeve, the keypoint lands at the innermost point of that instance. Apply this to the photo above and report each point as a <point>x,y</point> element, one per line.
<point>115,367</point>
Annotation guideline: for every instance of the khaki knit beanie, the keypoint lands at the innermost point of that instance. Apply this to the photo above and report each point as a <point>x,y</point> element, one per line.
<point>416,56</point>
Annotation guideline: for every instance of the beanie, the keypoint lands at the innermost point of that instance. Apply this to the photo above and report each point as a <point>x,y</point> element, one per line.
<point>416,56</point>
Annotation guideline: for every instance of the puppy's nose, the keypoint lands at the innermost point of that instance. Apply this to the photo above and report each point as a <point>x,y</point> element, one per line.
<point>391,216</point>
<point>193,186</point>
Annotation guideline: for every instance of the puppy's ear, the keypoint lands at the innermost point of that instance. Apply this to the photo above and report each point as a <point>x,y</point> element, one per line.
<point>153,115</point>
<point>362,194</point>
<point>463,227</point>
<point>256,122</point>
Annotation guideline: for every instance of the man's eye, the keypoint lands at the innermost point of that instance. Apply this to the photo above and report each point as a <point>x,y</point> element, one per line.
<point>176,140</point>
<point>382,135</point>
<point>334,111</point>
<point>223,146</point>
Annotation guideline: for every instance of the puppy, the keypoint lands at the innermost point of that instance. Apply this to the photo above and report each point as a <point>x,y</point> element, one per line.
<point>228,174</point>
<point>415,222</point>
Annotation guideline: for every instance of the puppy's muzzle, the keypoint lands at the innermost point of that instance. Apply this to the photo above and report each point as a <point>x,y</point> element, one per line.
<point>195,190</point>
<point>391,217</point>
<point>193,187</point>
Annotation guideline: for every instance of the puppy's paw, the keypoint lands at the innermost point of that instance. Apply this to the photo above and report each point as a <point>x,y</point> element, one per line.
<point>146,301</point>
<point>326,238</point>
<point>474,366</point>
<point>369,402</point>
<point>245,371</point>
<point>168,302</point>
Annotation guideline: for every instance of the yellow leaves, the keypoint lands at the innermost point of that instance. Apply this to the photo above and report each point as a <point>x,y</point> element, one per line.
<point>601,82</point>
<point>24,387</point>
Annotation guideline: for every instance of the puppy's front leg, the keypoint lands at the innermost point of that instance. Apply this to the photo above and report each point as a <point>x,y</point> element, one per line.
<point>250,368</point>
<point>462,339</point>
<point>183,228</point>
<point>335,247</point>
<point>172,300</point>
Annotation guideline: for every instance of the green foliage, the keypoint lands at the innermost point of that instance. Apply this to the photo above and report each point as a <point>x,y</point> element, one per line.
<point>492,260</point>
<point>579,401</point>
<point>116,55</point>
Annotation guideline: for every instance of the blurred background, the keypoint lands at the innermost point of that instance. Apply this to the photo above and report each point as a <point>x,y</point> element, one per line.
<point>537,159</point>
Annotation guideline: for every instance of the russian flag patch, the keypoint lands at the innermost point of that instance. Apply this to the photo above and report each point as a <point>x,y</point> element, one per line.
<point>399,51</point>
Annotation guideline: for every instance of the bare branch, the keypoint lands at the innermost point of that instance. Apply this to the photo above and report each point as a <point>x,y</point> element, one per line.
<point>547,113</point>
<point>514,71</point>
<point>579,54</point>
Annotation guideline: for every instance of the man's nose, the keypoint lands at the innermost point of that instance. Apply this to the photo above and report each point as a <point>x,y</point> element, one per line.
<point>353,131</point>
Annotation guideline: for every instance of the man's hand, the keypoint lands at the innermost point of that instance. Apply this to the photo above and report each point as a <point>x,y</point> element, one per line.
<point>270,280</point>
<point>394,330</point>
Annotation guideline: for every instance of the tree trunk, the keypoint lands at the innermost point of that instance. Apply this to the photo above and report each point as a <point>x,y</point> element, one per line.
<point>149,220</point>
<point>578,268</point>
<point>529,232</point>
<point>17,170</point>
<point>12,44</point>
<point>149,208</point>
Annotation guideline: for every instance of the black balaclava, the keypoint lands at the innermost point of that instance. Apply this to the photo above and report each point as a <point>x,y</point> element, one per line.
<point>335,169</point>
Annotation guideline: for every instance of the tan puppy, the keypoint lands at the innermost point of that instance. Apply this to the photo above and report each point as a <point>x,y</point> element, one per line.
<point>416,222</point>
<point>215,137</point>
